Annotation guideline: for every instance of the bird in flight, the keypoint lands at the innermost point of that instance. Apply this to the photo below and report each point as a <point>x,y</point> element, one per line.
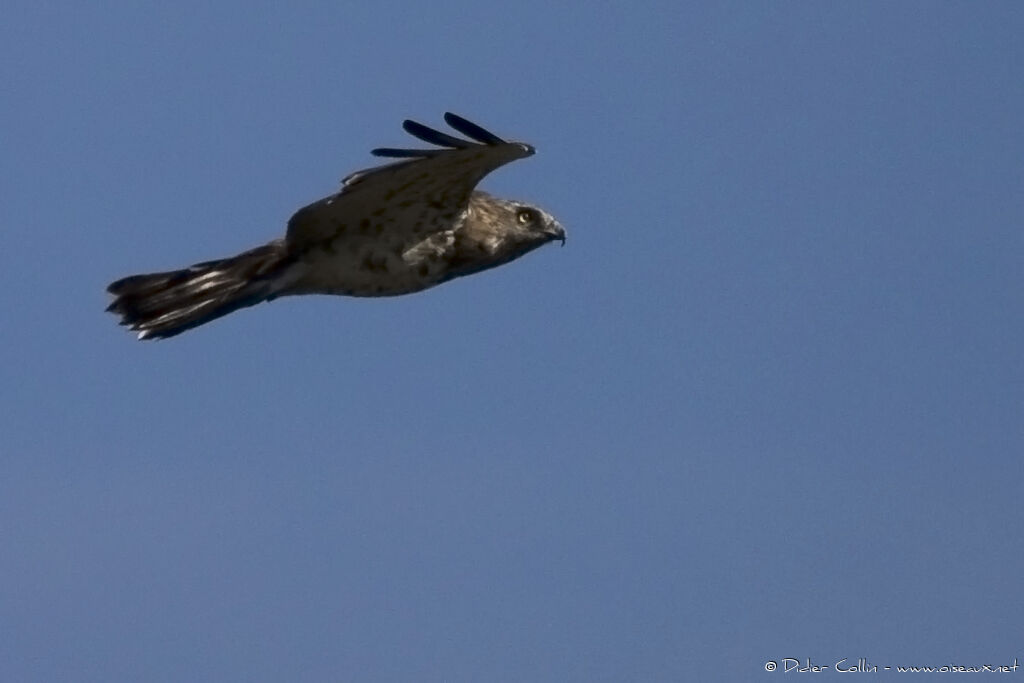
<point>392,229</point>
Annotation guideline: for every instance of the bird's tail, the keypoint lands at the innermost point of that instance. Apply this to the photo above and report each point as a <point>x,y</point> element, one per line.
<point>158,305</point>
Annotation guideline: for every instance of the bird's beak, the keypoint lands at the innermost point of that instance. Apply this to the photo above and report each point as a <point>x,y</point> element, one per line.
<point>556,231</point>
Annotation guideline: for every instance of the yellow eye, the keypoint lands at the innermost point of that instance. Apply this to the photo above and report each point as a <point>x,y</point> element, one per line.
<point>525,216</point>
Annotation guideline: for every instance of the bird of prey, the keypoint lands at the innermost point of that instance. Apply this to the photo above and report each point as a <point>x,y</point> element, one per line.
<point>392,229</point>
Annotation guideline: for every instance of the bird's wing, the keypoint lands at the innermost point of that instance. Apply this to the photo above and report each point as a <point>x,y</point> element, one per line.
<point>427,188</point>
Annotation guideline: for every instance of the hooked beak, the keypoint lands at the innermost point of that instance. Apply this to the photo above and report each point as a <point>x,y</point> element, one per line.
<point>556,232</point>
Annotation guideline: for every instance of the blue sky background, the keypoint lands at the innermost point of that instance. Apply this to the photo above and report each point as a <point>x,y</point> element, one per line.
<point>767,402</point>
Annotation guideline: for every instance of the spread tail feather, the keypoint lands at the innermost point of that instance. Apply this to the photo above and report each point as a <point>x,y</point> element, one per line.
<point>160,305</point>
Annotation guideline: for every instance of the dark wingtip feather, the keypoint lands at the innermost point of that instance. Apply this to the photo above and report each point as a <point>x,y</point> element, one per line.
<point>476,134</point>
<point>472,130</point>
<point>434,137</point>
<point>404,153</point>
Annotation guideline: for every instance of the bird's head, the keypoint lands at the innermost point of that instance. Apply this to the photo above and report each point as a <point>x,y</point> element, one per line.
<point>507,228</point>
<point>535,226</point>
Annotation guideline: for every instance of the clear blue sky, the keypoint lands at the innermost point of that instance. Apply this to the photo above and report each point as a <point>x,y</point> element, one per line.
<point>767,402</point>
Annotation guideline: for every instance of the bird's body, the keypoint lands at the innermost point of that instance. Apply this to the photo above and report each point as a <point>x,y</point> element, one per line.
<point>391,230</point>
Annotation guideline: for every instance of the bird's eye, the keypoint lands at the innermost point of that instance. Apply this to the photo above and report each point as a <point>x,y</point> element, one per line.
<point>525,216</point>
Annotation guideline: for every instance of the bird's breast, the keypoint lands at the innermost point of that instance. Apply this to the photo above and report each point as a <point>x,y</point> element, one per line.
<point>369,267</point>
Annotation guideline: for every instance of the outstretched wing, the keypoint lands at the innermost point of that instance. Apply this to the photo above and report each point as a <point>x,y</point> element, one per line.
<point>427,188</point>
